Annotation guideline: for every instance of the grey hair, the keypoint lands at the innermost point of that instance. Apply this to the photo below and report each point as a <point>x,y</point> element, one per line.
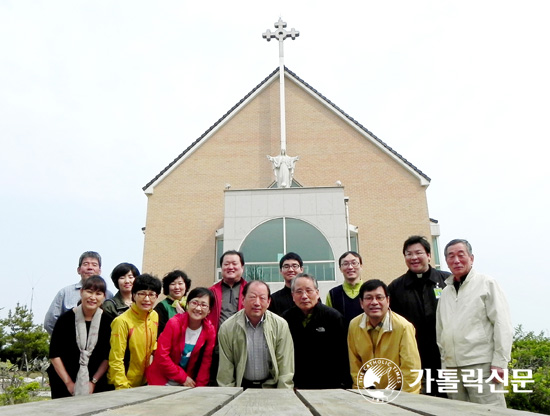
<point>91,255</point>
<point>304,275</point>
<point>458,241</point>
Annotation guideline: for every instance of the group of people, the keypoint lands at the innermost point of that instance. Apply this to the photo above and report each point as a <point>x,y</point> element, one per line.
<point>101,342</point>
<point>236,333</point>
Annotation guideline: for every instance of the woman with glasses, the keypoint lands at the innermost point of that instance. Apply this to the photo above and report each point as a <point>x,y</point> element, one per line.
<point>79,347</point>
<point>123,277</point>
<point>184,351</point>
<point>134,335</point>
<point>175,286</point>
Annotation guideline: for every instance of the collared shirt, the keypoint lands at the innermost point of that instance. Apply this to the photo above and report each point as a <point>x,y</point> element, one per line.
<point>67,298</point>
<point>307,319</point>
<point>258,358</point>
<point>351,290</point>
<point>230,300</point>
<point>458,283</point>
<point>375,331</point>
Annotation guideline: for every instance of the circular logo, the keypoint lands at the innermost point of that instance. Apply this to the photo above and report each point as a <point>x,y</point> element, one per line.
<point>379,380</point>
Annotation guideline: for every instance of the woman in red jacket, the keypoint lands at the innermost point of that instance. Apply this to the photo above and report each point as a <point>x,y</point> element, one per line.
<point>184,350</point>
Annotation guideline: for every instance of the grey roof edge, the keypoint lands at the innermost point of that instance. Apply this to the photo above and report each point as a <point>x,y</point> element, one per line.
<point>305,84</point>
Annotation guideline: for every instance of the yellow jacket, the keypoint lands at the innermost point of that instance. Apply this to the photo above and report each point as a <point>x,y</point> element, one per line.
<point>136,331</point>
<point>396,342</point>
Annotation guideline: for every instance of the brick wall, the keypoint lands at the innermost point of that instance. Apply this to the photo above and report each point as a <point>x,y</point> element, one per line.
<point>387,202</point>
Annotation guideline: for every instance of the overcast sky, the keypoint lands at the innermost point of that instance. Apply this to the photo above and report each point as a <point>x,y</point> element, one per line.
<point>96,97</point>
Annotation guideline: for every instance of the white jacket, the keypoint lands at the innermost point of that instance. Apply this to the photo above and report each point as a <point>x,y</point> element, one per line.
<point>474,327</point>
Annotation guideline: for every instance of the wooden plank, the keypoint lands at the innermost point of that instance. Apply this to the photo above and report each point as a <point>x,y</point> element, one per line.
<point>219,401</point>
<point>343,402</point>
<point>85,405</point>
<point>200,401</point>
<point>265,402</point>
<point>429,405</point>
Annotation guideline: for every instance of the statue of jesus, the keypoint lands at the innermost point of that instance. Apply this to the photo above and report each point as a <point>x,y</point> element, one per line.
<point>283,168</point>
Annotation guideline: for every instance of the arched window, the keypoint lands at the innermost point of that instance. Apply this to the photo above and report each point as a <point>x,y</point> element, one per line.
<point>268,242</point>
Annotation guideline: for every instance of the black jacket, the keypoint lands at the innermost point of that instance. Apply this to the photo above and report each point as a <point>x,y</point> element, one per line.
<point>415,299</point>
<point>320,349</point>
<point>281,300</point>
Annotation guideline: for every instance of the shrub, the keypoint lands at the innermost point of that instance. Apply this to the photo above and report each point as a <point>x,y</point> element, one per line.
<point>15,390</point>
<point>531,351</point>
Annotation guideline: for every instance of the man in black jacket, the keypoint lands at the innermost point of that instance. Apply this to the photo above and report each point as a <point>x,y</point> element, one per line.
<point>319,335</point>
<point>414,296</point>
<point>290,266</point>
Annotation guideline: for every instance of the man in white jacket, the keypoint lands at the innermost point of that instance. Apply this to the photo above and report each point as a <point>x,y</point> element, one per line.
<point>474,330</point>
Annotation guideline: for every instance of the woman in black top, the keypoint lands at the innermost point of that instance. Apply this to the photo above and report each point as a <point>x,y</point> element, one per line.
<point>79,347</point>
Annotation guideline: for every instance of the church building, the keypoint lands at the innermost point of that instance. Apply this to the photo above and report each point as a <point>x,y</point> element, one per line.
<point>237,187</point>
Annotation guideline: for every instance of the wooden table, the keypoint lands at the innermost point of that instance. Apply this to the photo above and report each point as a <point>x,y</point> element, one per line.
<point>233,401</point>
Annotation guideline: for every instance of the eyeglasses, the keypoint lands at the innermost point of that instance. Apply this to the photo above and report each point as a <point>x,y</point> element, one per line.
<point>143,295</point>
<point>308,291</point>
<point>291,266</point>
<point>195,304</point>
<point>379,298</point>
<point>353,263</point>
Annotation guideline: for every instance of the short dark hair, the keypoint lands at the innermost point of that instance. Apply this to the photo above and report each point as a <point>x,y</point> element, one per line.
<point>146,281</point>
<point>122,270</point>
<point>371,285</point>
<point>245,289</point>
<point>170,277</point>
<point>417,239</point>
<point>89,254</point>
<point>353,253</point>
<point>95,283</point>
<point>306,276</point>
<point>458,241</point>
<point>231,253</point>
<point>199,292</point>
<point>290,256</point>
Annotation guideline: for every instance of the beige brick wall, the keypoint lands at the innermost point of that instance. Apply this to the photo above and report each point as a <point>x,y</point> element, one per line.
<point>387,202</point>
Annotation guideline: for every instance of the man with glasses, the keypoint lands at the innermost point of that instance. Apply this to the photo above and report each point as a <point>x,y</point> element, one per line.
<point>290,266</point>
<point>381,333</point>
<point>414,296</point>
<point>256,349</point>
<point>345,297</point>
<point>474,329</point>
<point>319,334</point>
<point>89,264</point>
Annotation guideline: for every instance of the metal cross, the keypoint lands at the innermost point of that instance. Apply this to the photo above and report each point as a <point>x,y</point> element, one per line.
<point>281,34</point>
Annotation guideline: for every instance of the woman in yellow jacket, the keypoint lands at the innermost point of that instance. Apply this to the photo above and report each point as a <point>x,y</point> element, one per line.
<point>134,335</point>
